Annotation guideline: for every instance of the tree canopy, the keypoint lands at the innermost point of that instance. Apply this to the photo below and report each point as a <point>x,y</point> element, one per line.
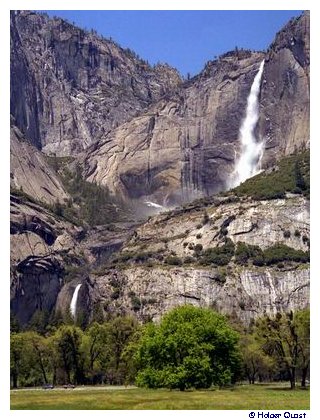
<point>190,348</point>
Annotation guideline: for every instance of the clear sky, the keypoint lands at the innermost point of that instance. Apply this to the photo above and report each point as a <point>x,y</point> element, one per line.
<point>183,39</point>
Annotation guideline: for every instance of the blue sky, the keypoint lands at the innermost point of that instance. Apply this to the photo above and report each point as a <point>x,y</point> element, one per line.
<point>183,39</point>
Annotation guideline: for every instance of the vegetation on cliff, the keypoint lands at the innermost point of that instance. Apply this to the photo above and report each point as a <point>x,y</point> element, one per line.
<point>290,174</point>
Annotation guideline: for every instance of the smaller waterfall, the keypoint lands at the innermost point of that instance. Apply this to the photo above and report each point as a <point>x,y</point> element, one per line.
<point>155,205</point>
<point>73,304</point>
<point>251,149</point>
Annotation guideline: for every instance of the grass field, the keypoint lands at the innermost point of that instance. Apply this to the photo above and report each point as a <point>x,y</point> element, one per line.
<point>242,397</point>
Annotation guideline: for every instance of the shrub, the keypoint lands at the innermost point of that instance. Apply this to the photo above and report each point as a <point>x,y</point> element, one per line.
<point>297,233</point>
<point>280,252</point>
<point>188,260</point>
<point>205,218</point>
<point>218,255</point>
<point>258,261</point>
<point>224,231</point>
<point>198,248</point>
<point>116,294</point>
<point>305,239</point>
<point>135,303</point>
<point>246,251</point>
<point>287,234</point>
<point>221,276</point>
<point>173,260</point>
<point>199,236</point>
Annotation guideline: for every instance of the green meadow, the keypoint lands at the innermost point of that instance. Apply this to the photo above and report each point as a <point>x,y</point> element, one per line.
<point>241,397</point>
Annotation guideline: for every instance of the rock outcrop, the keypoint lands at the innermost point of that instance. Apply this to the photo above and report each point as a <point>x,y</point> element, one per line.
<point>285,92</point>
<point>70,87</point>
<point>48,254</point>
<point>30,172</point>
<point>245,291</point>
<point>245,294</point>
<point>42,247</point>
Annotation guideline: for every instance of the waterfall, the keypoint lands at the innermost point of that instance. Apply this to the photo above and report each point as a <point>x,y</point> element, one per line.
<point>251,149</point>
<point>73,304</point>
<point>155,205</point>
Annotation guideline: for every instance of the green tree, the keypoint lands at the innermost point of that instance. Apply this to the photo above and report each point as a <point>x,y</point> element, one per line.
<point>97,348</point>
<point>38,346</point>
<point>16,357</point>
<point>286,337</point>
<point>191,347</point>
<point>255,361</point>
<point>122,330</point>
<point>67,345</point>
<point>302,324</point>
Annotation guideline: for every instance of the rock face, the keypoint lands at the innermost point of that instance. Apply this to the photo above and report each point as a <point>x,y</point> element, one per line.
<point>30,173</point>
<point>151,292</point>
<point>186,146</point>
<point>284,116</point>
<point>35,287</point>
<point>44,248</point>
<point>246,291</point>
<point>152,137</point>
<point>41,246</point>
<point>70,87</point>
<point>148,137</point>
<point>182,147</point>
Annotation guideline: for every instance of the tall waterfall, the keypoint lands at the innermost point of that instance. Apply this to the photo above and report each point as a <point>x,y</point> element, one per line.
<point>251,148</point>
<point>73,304</point>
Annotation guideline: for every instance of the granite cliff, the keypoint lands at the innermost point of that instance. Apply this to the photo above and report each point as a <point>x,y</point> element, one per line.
<point>186,146</point>
<point>149,137</point>
<point>70,87</point>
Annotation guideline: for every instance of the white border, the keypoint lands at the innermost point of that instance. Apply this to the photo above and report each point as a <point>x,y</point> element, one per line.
<point>4,218</point>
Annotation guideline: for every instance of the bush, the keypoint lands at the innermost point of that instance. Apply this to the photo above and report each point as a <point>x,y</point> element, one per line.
<point>219,255</point>
<point>205,218</point>
<point>135,303</point>
<point>188,260</point>
<point>287,234</point>
<point>245,251</point>
<point>279,252</point>
<point>173,260</point>
<point>199,236</point>
<point>297,233</point>
<point>305,239</point>
<point>198,248</point>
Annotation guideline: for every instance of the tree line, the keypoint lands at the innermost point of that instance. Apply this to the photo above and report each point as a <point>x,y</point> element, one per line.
<point>189,348</point>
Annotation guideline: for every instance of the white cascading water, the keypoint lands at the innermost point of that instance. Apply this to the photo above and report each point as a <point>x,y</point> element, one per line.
<point>251,149</point>
<point>155,205</point>
<point>73,304</point>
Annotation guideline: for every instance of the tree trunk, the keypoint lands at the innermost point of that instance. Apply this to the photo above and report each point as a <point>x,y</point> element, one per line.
<point>304,377</point>
<point>293,378</point>
<point>14,379</point>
